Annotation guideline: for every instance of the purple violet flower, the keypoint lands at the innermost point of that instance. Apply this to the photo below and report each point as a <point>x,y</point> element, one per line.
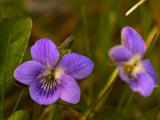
<point>138,73</point>
<point>49,79</point>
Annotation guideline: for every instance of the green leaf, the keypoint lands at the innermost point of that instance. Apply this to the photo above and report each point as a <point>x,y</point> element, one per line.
<point>19,115</point>
<point>14,36</point>
<point>18,3</point>
<point>8,10</point>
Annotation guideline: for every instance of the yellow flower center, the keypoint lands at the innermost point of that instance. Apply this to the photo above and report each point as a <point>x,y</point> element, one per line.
<point>58,72</point>
<point>133,66</point>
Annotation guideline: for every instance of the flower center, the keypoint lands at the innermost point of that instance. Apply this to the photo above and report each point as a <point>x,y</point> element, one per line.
<point>58,72</point>
<point>49,80</point>
<point>133,66</point>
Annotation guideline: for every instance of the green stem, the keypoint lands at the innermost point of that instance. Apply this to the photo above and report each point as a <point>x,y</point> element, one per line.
<point>18,101</point>
<point>3,82</point>
<point>66,42</point>
<point>86,41</point>
<point>100,96</point>
<point>37,111</point>
<point>2,100</point>
<point>129,100</point>
<point>85,25</point>
<point>123,98</point>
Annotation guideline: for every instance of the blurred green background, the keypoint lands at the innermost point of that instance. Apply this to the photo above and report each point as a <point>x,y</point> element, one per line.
<point>96,27</point>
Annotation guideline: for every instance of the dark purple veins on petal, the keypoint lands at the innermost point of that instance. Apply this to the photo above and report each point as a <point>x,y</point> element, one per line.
<point>47,83</point>
<point>42,96</point>
<point>45,89</point>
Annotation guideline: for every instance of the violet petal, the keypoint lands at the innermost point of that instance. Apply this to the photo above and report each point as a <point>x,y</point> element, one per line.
<point>150,70</point>
<point>69,91</point>
<point>120,54</point>
<point>143,84</point>
<point>28,71</point>
<point>133,41</point>
<point>76,65</point>
<point>41,96</point>
<point>46,52</point>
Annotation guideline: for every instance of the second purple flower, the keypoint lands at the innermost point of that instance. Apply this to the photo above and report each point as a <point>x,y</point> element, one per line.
<point>135,71</point>
<point>49,79</point>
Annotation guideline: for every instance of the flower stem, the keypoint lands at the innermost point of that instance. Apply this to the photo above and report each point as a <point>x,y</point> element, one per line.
<point>85,27</point>
<point>66,42</point>
<point>124,96</point>
<point>18,101</point>
<point>2,100</point>
<point>96,102</point>
<point>129,101</point>
<point>3,83</point>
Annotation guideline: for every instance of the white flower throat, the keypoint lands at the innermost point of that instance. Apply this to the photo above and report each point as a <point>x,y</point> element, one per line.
<point>133,66</point>
<point>50,79</point>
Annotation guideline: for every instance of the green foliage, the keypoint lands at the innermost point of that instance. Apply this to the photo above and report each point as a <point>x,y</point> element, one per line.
<point>8,10</point>
<point>19,115</point>
<point>14,36</point>
<point>96,26</point>
<point>18,3</point>
<point>77,3</point>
